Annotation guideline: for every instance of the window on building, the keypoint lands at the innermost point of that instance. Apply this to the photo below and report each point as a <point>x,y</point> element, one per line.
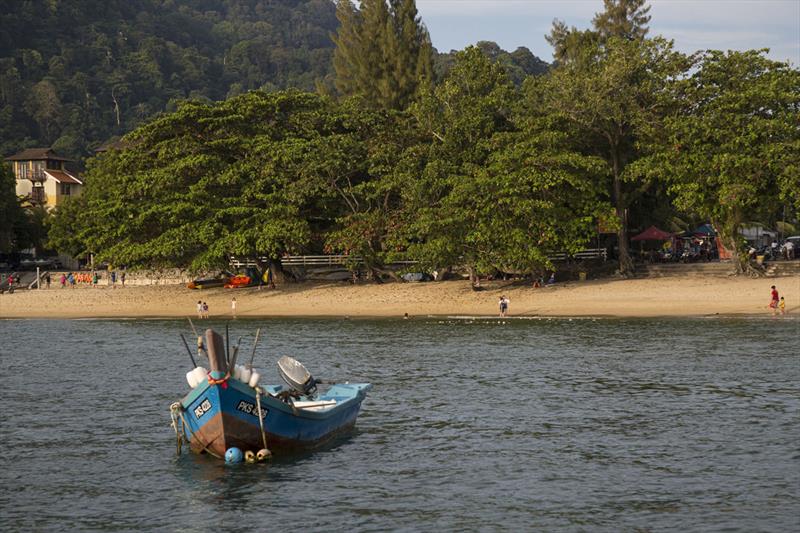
<point>65,189</point>
<point>38,170</point>
<point>23,170</point>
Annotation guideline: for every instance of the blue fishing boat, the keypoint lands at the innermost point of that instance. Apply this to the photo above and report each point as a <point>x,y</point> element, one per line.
<point>227,408</point>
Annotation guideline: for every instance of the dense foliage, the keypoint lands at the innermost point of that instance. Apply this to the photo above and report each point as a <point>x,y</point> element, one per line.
<point>75,73</point>
<point>730,150</point>
<point>477,158</point>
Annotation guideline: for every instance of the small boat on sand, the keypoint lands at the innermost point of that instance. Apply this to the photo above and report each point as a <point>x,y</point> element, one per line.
<point>227,408</point>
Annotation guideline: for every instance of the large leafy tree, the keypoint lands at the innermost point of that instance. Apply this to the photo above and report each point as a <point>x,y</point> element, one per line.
<point>254,175</point>
<point>383,52</point>
<point>730,152</point>
<point>496,189</point>
<point>608,87</point>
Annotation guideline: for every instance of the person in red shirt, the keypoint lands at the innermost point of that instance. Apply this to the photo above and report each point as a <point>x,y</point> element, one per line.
<point>773,304</point>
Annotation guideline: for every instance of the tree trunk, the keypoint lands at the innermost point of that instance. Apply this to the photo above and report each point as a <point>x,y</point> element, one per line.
<point>731,240</point>
<point>625,264</point>
<point>278,275</point>
<point>473,276</point>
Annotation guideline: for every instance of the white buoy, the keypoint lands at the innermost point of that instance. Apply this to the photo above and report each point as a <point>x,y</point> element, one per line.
<point>244,377</point>
<point>254,377</point>
<point>191,379</point>
<point>200,375</point>
<point>263,454</point>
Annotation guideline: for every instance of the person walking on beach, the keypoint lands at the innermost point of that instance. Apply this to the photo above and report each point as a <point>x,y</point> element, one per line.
<point>113,279</point>
<point>199,309</point>
<point>94,279</point>
<point>122,279</point>
<point>63,280</point>
<point>47,280</point>
<point>71,279</point>
<point>782,306</point>
<point>205,310</point>
<point>774,299</point>
<point>233,306</point>
<point>503,306</point>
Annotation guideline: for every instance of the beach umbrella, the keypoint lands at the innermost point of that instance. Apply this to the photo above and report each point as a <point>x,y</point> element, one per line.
<point>653,234</point>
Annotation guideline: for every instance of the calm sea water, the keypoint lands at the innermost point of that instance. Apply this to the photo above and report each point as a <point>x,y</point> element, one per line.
<point>516,425</point>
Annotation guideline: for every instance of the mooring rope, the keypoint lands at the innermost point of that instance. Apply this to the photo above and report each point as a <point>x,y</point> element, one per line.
<point>177,407</point>
<point>260,419</point>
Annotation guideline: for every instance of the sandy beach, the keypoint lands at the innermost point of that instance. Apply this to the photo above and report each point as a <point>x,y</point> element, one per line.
<point>648,297</point>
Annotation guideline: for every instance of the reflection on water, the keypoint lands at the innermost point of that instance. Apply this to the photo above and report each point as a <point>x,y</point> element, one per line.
<point>472,424</point>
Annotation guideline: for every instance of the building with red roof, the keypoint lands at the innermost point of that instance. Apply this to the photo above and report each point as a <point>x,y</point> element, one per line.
<point>42,176</point>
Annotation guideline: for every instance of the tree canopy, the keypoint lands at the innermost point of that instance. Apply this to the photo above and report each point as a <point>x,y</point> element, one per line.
<point>730,149</point>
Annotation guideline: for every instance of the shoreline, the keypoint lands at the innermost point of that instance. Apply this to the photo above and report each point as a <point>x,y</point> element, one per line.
<point>606,298</point>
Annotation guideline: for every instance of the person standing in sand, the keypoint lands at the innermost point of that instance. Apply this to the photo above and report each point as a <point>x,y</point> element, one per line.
<point>782,306</point>
<point>205,310</point>
<point>233,306</point>
<point>503,306</point>
<point>199,309</point>
<point>47,280</point>
<point>774,299</point>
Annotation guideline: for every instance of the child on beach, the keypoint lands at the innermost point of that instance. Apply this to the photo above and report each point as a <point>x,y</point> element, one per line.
<point>782,306</point>
<point>199,309</point>
<point>233,306</point>
<point>63,280</point>
<point>205,310</point>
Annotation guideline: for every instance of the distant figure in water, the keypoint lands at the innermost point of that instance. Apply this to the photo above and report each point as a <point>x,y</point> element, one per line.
<point>405,316</point>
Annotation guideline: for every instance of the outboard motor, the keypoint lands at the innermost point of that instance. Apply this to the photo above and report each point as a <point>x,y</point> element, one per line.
<point>296,376</point>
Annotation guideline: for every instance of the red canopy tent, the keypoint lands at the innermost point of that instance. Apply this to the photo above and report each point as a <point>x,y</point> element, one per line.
<point>653,234</point>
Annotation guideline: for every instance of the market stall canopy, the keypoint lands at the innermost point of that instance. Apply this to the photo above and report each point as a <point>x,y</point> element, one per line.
<point>705,229</point>
<point>653,234</point>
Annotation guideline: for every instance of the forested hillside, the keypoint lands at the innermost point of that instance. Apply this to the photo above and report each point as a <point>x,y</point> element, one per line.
<point>75,73</point>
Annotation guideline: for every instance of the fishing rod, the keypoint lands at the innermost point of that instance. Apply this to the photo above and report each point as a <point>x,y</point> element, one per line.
<point>227,347</point>
<point>255,344</point>
<point>235,353</point>
<point>188,350</point>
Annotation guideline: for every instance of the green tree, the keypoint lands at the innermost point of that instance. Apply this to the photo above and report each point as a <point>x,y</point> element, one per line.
<point>256,175</point>
<point>383,52</point>
<point>494,188</point>
<point>622,19</point>
<point>609,97</point>
<point>730,152</point>
<point>626,19</point>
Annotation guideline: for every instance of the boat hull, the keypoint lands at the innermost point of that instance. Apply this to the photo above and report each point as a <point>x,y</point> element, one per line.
<point>219,417</point>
